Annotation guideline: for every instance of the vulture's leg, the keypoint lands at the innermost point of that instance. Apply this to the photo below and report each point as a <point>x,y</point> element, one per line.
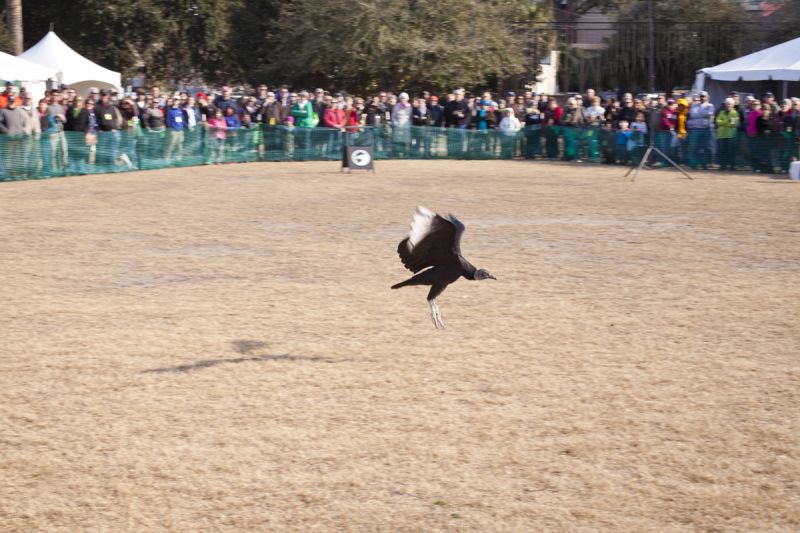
<point>435,316</point>
<point>436,290</point>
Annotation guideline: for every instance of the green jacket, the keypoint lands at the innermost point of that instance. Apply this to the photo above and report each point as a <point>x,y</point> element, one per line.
<point>727,123</point>
<point>303,114</point>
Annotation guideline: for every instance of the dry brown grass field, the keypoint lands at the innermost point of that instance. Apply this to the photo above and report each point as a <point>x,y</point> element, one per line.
<point>218,349</point>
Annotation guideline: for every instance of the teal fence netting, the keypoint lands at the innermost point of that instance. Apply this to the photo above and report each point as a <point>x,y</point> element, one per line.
<point>73,153</point>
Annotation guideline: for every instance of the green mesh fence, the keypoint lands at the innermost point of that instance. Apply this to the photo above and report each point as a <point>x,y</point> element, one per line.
<point>73,153</point>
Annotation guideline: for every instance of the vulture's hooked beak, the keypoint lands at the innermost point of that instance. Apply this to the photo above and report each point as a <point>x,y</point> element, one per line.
<point>492,277</point>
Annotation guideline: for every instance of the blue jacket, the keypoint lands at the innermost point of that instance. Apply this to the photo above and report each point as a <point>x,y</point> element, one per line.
<point>175,119</point>
<point>233,122</point>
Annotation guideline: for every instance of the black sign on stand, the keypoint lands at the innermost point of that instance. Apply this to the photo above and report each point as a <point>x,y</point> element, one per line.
<point>357,157</point>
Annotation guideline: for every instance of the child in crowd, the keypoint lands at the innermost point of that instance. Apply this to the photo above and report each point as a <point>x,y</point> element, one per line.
<point>624,134</point>
<point>638,139</point>
<point>219,129</point>
<point>608,142</point>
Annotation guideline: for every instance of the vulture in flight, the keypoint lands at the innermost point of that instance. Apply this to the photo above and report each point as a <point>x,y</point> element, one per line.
<point>435,242</point>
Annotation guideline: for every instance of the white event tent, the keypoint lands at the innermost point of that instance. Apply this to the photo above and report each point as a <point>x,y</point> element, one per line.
<point>754,72</point>
<point>74,70</point>
<point>32,76</point>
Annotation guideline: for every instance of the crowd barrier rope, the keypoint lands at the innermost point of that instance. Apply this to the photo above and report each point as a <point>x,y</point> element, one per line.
<point>73,153</point>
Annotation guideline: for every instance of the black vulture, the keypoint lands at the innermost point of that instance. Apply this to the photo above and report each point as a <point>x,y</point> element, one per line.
<point>435,241</point>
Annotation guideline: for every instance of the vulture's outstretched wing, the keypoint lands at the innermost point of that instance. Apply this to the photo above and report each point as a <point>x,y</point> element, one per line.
<point>433,240</point>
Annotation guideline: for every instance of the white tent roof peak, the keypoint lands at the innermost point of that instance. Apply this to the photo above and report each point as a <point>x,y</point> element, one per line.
<point>779,62</point>
<point>51,51</point>
<point>13,68</point>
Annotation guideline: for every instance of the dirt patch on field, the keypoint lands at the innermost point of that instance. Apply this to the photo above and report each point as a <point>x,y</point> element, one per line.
<point>217,348</point>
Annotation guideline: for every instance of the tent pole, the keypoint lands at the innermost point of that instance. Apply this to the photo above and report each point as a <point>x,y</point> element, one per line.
<point>785,89</point>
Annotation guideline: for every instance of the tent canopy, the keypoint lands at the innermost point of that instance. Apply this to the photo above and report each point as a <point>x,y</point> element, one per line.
<point>32,75</point>
<point>756,73</point>
<point>74,70</point>
<point>12,68</point>
<point>780,63</point>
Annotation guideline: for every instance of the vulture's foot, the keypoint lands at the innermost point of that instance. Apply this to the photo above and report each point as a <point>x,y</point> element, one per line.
<point>436,317</point>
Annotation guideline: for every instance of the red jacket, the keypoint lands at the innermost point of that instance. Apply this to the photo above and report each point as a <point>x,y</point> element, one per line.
<point>669,119</point>
<point>352,117</point>
<point>334,118</point>
<point>553,116</point>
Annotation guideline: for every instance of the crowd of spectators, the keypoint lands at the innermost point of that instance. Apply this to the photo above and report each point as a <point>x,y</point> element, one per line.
<point>690,129</point>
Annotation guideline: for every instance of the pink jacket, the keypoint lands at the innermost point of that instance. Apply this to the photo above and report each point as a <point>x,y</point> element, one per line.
<point>752,131</point>
<point>219,128</point>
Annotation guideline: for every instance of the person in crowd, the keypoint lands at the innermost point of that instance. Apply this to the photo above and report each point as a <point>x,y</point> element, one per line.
<point>594,112</point>
<point>765,139</point>
<point>623,137</point>
<point>544,102</point>
<point>509,128</point>
<point>249,106</point>
<point>665,132</point>
<point>303,113</point>
<point>34,125</point>
<point>435,112</point>
<point>519,107</point>
<point>204,106</point>
<point>335,121</point>
<point>261,95</point>
<point>191,114</point>
<point>727,123</point>
<point>109,137</point>
<point>218,128</point>
<point>59,149</point>
<point>354,113</point>
<point>32,148</point>
<point>130,129</point>
<point>73,110</point>
<point>87,124</point>
<point>153,121</point>
<point>176,123</point>
<point>141,101</point>
<point>639,136</point>
<point>401,125</point>
<point>155,94</point>
<point>374,111</point>
<point>532,123</point>
<point>572,121</point>
<point>595,115</point>
<point>275,112</point>
<point>627,111</point>
<point>700,124</point>
<point>769,100</point>
<point>752,115</point>
<point>234,125</point>
<point>483,121</point>
<point>457,113</point>
<point>588,101</point>
<point>420,119</point>
<point>552,128</point>
<point>225,99</point>
<point>13,126</point>
<point>787,126</point>
<point>320,104</point>
<point>613,112</point>
<point>4,96</point>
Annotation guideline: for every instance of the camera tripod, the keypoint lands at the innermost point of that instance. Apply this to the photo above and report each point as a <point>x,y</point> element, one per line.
<point>650,149</point>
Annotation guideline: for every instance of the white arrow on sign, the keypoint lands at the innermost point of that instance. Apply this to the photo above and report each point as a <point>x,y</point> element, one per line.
<point>360,158</point>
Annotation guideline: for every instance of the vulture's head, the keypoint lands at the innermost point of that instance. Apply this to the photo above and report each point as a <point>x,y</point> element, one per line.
<point>483,274</point>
